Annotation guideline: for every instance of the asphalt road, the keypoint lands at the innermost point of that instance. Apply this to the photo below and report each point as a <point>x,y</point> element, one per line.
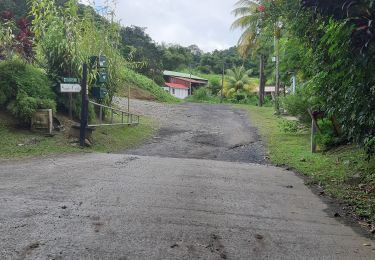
<point>200,131</point>
<point>117,206</point>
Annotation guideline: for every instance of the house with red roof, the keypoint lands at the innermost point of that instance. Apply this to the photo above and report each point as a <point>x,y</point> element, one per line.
<point>182,85</point>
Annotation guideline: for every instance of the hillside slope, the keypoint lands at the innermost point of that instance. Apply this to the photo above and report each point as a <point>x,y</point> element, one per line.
<point>145,88</point>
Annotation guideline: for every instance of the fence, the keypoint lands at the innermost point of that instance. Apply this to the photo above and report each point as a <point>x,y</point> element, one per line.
<point>126,117</point>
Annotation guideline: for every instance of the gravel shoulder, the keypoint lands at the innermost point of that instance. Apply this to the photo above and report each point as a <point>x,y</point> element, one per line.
<point>199,131</point>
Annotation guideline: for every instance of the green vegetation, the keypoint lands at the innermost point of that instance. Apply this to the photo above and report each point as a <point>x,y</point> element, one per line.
<point>238,82</point>
<point>329,47</point>
<point>18,143</point>
<point>344,172</point>
<point>203,95</point>
<point>142,82</point>
<point>24,89</point>
<point>54,41</point>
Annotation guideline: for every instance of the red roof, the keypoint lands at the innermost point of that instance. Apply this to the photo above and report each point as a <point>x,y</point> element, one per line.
<point>178,86</point>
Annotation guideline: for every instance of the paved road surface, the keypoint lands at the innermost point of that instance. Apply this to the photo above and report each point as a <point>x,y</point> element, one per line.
<point>215,132</point>
<point>116,206</point>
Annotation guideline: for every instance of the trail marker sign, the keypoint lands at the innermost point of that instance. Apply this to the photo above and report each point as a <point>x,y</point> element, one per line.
<point>70,88</point>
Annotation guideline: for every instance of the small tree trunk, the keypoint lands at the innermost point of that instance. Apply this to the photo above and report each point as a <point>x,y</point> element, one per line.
<point>262,81</point>
<point>277,87</point>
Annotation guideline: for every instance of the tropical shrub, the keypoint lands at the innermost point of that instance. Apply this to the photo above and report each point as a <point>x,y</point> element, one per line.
<point>327,137</point>
<point>24,89</point>
<point>202,94</point>
<point>67,37</point>
<point>237,80</point>
<point>15,37</point>
<point>288,126</point>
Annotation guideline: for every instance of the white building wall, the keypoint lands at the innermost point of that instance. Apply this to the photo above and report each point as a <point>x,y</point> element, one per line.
<point>178,93</point>
<point>181,93</point>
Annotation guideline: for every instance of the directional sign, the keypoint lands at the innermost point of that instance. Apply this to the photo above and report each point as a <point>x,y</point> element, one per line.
<point>70,88</point>
<point>70,80</point>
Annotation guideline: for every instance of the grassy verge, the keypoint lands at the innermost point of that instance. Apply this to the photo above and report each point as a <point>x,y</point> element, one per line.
<point>16,143</point>
<point>344,173</point>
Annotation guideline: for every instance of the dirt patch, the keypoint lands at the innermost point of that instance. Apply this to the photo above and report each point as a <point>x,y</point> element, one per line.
<point>208,139</point>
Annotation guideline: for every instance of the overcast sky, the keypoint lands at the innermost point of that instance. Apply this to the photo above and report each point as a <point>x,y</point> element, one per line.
<point>205,23</point>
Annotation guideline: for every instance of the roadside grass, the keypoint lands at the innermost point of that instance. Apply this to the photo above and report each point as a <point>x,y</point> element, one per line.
<point>20,143</point>
<point>344,173</point>
<point>209,99</point>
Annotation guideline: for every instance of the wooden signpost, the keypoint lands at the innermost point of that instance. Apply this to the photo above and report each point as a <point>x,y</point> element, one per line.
<point>70,86</point>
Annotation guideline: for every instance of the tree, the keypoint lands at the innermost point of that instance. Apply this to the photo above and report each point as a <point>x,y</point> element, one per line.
<point>236,81</point>
<point>251,19</point>
<point>137,46</point>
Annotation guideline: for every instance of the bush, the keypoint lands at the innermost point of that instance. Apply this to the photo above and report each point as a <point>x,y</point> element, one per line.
<point>288,126</point>
<point>327,138</point>
<point>298,104</point>
<point>201,94</point>
<point>24,89</point>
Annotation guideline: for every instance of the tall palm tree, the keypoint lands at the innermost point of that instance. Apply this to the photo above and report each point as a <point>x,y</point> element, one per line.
<point>237,80</point>
<point>250,18</point>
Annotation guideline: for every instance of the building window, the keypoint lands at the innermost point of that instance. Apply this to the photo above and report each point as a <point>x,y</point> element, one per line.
<point>173,91</point>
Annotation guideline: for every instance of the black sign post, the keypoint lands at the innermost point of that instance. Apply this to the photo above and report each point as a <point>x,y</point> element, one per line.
<point>84,107</point>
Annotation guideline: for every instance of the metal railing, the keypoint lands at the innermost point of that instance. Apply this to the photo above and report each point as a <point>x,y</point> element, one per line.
<point>126,117</point>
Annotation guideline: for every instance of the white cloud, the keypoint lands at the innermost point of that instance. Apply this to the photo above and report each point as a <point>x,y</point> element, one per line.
<point>205,23</point>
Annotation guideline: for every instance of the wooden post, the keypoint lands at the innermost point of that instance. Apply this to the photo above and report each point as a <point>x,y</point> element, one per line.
<point>71,106</point>
<point>84,108</point>
<point>101,114</point>
<point>314,130</point>
<point>313,135</point>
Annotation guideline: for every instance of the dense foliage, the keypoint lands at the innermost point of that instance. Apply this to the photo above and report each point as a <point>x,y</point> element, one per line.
<point>329,46</point>
<point>15,36</point>
<point>24,88</point>
<point>153,58</point>
<point>238,81</point>
<point>340,74</point>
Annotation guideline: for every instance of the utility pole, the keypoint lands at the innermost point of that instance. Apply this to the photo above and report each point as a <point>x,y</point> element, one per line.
<point>261,81</point>
<point>191,91</point>
<point>222,84</point>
